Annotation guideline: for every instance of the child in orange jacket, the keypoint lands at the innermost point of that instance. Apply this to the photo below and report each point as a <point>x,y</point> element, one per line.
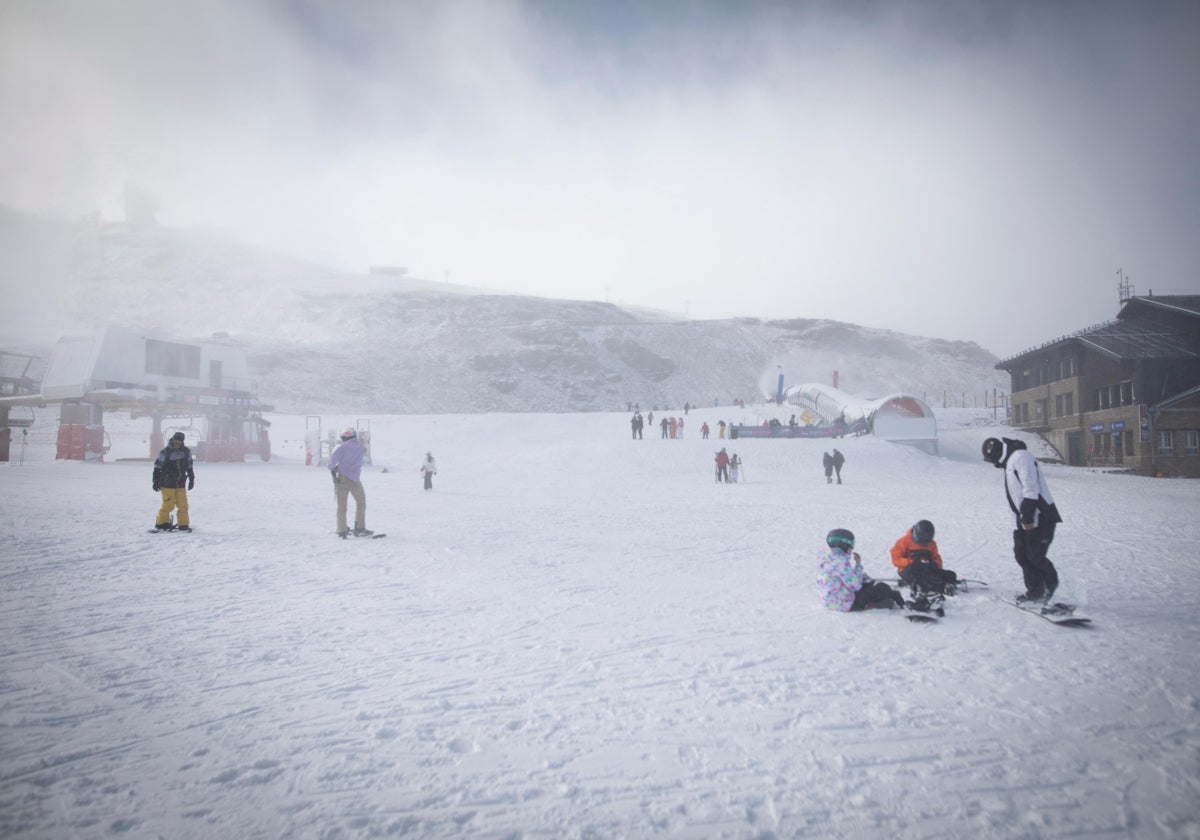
<point>915,555</point>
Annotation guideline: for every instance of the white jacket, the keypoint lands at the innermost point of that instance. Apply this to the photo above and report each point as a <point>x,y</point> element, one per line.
<point>430,466</point>
<point>1025,485</point>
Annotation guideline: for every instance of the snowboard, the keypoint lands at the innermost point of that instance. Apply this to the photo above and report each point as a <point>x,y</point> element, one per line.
<point>171,530</point>
<point>1059,613</point>
<point>372,537</point>
<point>920,618</point>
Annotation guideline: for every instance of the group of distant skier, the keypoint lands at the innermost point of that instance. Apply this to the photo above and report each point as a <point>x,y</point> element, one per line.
<point>843,585</point>
<point>174,475</point>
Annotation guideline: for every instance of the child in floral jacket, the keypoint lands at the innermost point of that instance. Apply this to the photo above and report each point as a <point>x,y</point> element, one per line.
<point>841,583</point>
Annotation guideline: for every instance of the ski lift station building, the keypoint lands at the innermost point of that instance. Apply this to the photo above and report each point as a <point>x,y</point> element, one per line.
<point>156,377</point>
<point>900,418</point>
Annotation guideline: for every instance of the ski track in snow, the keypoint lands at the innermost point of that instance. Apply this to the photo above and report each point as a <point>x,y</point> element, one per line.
<point>577,635</point>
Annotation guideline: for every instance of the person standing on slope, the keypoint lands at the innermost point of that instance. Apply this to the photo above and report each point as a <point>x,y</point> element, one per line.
<point>1036,514</point>
<point>722,460</point>
<point>173,477</point>
<point>827,462</point>
<point>841,583</point>
<point>429,470</point>
<point>345,465</point>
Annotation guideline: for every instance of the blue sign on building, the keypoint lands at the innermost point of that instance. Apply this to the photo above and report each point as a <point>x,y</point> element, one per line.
<point>1096,427</point>
<point>1118,425</point>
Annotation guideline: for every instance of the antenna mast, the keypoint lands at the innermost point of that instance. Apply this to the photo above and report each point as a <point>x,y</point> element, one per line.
<point>1124,287</point>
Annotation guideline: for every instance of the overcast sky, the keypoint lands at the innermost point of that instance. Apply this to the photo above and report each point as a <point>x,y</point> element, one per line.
<point>966,170</point>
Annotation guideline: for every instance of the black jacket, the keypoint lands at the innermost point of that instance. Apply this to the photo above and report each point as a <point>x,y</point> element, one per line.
<point>173,467</point>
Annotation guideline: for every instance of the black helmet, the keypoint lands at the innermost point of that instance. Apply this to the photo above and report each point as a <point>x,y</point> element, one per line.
<point>922,532</point>
<point>993,452</point>
<point>996,451</point>
<point>840,538</point>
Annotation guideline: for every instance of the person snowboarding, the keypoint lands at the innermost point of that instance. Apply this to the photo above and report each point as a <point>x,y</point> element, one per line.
<point>838,460</point>
<point>173,477</point>
<point>722,460</point>
<point>827,462</point>
<point>1035,513</point>
<point>915,556</point>
<point>345,465</point>
<point>841,583</point>
<point>429,470</point>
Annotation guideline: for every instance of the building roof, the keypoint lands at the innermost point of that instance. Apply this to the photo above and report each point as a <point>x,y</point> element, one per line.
<point>1134,336</point>
<point>1135,339</point>
<point>1180,397</point>
<point>1187,305</point>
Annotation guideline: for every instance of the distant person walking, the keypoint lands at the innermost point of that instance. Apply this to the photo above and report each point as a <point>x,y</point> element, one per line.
<point>173,477</point>
<point>1036,514</point>
<point>665,427</point>
<point>721,429</point>
<point>704,430</point>
<point>735,468</point>
<point>429,470</point>
<point>345,465</point>
<point>827,462</point>
<point>838,460</point>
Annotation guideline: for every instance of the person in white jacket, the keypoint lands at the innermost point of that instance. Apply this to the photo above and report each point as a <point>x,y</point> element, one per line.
<point>1035,512</point>
<point>428,469</point>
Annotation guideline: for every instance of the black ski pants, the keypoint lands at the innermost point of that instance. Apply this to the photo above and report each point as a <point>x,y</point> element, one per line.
<point>925,575</point>
<point>876,595</point>
<point>1029,548</point>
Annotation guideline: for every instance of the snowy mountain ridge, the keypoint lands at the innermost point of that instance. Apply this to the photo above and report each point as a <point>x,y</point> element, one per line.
<point>318,338</point>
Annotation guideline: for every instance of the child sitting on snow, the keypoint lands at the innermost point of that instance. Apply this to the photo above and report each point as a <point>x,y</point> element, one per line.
<point>841,582</point>
<point>915,555</point>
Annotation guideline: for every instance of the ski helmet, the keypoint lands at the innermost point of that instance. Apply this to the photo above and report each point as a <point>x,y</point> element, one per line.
<point>348,433</point>
<point>922,532</point>
<point>840,538</point>
<point>993,452</point>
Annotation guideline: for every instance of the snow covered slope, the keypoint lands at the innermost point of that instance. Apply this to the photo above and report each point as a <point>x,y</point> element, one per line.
<point>319,338</point>
<point>577,635</point>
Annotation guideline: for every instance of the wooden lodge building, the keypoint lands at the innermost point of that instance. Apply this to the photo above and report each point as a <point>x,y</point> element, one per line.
<point>1124,394</point>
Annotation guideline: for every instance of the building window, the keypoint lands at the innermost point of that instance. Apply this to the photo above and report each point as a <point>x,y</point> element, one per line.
<point>1058,406</point>
<point>1127,393</point>
<point>1070,403</point>
<point>1191,442</point>
<point>1165,444</point>
<point>1129,444</point>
